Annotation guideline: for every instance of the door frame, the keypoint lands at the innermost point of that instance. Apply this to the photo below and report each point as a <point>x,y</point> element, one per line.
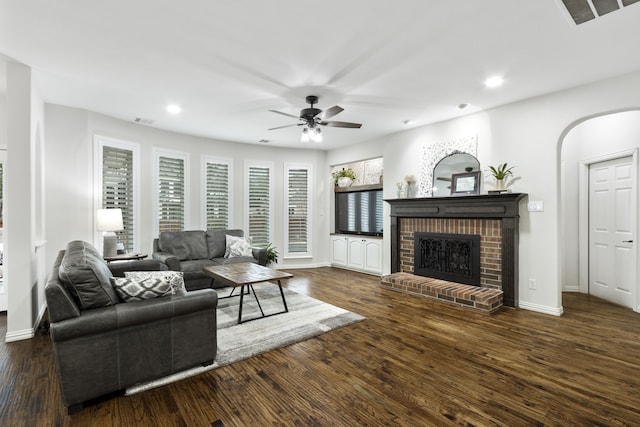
<point>583,215</point>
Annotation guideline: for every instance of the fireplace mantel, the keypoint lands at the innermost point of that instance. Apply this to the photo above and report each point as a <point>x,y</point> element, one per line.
<point>503,207</point>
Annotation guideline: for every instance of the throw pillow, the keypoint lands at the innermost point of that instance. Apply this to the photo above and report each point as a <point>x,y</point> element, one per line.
<point>238,246</point>
<point>133,290</point>
<point>174,278</point>
<point>85,275</point>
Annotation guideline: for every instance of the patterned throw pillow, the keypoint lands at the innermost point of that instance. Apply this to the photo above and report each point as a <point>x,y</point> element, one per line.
<point>174,278</point>
<point>238,246</point>
<point>132,290</point>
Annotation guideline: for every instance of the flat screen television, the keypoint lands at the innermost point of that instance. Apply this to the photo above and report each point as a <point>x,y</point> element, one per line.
<point>359,212</point>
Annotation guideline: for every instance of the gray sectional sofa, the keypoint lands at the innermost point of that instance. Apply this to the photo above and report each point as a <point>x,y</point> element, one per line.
<point>191,251</point>
<point>102,345</point>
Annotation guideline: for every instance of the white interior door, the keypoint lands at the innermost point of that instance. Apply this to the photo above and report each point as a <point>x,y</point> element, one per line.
<point>612,228</point>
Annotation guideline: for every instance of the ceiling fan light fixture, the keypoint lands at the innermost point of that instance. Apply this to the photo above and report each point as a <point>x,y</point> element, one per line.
<point>311,134</point>
<point>306,135</point>
<point>316,134</point>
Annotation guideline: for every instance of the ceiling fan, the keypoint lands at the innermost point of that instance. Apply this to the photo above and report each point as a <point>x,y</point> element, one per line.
<point>311,118</point>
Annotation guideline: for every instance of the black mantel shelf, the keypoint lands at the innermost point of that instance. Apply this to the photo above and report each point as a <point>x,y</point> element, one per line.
<point>504,207</point>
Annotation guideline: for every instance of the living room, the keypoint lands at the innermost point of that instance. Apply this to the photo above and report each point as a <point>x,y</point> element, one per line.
<point>52,198</point>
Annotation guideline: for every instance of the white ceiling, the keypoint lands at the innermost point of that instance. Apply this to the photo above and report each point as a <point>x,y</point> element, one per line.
<point>228,62</point>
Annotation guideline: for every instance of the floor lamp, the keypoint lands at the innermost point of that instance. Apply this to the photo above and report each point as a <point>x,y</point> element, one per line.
<point>109,221</point>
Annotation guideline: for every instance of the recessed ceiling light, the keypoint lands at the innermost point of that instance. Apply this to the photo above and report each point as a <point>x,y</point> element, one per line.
<point>463,106</point>
<point>264,141</point>
<point>494,81</point>
<point>407,122</point>
<point>174,109</point>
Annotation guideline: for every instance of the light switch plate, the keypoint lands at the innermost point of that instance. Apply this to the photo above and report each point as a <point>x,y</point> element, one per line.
<point>535,206</point>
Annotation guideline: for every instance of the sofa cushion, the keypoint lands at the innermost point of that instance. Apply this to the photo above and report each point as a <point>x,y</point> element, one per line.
<point>140,290</point>
<point>217,241</point>
<point>174,278</point>
<point>238,246</point>
<point>185,245</point>
<point>86,276</point>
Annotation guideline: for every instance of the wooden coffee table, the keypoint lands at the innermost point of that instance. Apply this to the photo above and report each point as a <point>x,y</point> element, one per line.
<point>246,274</point>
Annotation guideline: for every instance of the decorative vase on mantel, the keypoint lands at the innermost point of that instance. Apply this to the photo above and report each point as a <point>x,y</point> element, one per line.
<point>501,184</point>
<point>344,181</point>
<point>411,190</point>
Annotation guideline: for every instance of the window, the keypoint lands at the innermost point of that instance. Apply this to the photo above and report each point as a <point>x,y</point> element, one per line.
<point>217,198</point>
<point>258,213</point>
<point>117,178</point>
<point>172,190</point>
<point>297,220</point>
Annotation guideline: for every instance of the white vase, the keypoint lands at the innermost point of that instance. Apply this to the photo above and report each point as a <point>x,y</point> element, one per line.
<point>344,181</point>
<point>501,184</point>
<point>411,190</point>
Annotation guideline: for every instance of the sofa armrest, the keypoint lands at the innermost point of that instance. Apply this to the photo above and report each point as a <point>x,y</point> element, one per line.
<point>260,254</point>
<point>171,261</point>
<point>118,268</point>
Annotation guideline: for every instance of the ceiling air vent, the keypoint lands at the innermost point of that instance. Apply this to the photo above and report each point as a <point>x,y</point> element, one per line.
<point>582,11</point>
<point>143,121</point>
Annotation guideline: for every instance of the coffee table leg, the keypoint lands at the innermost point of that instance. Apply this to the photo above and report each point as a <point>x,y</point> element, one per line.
<point>286,309</point>
<point>257,300</point>
<point>240,308</point>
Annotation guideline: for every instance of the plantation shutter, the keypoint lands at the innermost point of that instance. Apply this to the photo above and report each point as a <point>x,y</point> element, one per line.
<point>117,189</point>
<point>259,205</point>
<point>217,196</point>
<point>298,208</point>
<point>171,194</point>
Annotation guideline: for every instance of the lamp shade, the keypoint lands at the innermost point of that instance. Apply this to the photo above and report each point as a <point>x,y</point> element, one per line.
<point>109,220</point>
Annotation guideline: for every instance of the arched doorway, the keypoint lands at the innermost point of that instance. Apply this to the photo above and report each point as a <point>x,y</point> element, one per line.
<point>588,142</point>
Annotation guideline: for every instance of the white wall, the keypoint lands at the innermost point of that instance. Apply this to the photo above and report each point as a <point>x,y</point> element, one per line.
<point>526,134</point>
<point>70,195</point>
<point>24,257</point>
<point>596,137</point>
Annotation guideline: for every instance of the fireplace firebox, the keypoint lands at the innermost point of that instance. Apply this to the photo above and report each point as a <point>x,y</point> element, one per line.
<point>451,257</point>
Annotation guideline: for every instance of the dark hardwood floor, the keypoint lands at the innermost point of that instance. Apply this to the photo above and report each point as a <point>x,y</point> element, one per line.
<point>412,362</point>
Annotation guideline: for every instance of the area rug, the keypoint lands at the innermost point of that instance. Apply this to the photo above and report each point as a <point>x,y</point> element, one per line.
<point>307,318</point>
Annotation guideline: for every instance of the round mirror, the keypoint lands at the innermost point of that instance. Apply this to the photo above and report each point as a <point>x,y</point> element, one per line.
<point>456,162</point>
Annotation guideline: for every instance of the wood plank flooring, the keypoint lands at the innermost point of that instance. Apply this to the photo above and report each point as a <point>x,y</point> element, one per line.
<point>412,362</point>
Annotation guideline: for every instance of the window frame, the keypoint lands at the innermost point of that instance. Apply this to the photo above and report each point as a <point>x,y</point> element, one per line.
<point>100,141</point>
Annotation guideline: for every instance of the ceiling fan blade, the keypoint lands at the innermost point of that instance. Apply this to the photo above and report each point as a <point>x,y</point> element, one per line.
<point>285,114</point>
<point>341,124</point>
<point>286,126</point>
<point>332,112</point>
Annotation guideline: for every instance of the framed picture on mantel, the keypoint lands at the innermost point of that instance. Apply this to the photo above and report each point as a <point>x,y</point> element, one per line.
<point>466,183</point>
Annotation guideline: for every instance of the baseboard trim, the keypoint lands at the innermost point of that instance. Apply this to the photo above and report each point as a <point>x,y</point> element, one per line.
<point>575,288</point>
<point>554,311</point>
<point>25,334</point>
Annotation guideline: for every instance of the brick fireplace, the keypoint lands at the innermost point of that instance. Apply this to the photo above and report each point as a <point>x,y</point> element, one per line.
<point>494,218</point>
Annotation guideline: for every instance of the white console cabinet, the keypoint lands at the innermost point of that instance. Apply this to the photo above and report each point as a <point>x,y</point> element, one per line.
<point>357,253</point>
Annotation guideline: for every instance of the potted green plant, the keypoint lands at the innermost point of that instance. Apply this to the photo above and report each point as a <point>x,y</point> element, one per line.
<point>344,177</point>
<point>500,173</point>
<point>272,254</point>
